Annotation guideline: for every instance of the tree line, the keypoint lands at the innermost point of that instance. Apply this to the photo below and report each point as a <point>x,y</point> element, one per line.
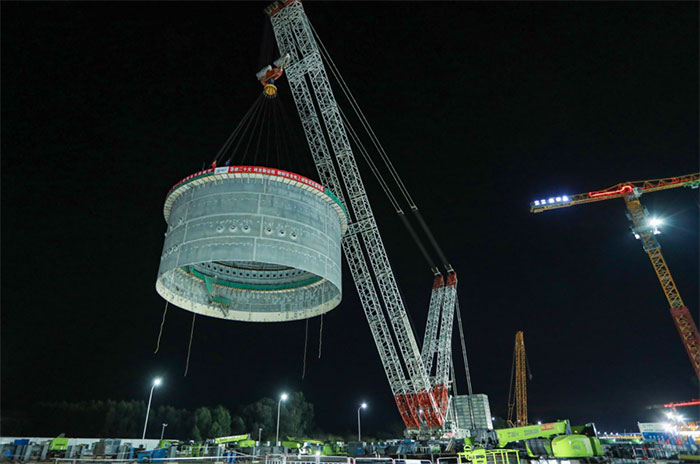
<point>125,419</point>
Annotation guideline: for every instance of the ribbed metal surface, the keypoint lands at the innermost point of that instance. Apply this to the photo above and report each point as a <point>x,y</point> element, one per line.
<point>252,246</point>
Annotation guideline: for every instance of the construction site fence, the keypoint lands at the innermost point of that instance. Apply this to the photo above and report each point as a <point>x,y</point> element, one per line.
<point>239,458</point>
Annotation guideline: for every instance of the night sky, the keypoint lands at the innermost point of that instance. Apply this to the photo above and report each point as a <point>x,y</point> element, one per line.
<point>482,108</point>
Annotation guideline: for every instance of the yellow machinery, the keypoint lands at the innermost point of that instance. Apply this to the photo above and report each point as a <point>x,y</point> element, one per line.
<point>645,229</point>
<point>519,395</point>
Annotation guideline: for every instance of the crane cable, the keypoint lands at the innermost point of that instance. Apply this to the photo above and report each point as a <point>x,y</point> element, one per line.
<point>377,144</point>
<point>245,121</point>
<point>466,360</point>
<point>377,174</point>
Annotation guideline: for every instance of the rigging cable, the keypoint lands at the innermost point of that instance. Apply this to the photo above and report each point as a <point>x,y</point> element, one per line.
<point>466,360</point>
<point>189,347</point>
<point>162,323</point>
<point>229,141</point>
<point>388,192</point>
<point>382,153</point>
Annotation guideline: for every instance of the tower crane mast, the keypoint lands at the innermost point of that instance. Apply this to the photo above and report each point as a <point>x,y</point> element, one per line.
<point>645,229</point>
<point>518,392</point>
<point>422,399</point>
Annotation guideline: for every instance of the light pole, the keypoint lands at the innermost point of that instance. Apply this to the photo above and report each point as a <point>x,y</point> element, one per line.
<point>260,434</point>
<point>283,397</point>
<point>156,382</point>
<point>162,431</point>
<point>359,433</point>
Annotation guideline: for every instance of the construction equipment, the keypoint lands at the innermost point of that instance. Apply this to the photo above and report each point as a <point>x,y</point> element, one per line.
<point>421,393</point>
<point>554,439</point>
<point>645,229</point>
<point>518,391</point>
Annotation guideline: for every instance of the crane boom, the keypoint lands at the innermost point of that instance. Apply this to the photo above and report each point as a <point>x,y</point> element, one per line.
<point>645,230</point>
<point>620,190</point>
<point>306,72</point>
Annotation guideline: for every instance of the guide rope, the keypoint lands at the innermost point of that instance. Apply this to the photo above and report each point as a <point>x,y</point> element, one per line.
<point>162,323</point>
<point>320,337</point>
<point>306,341</point>
<point>189,347</point>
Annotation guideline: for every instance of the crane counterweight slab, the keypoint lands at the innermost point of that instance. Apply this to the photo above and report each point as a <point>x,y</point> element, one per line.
<point>251,243</point>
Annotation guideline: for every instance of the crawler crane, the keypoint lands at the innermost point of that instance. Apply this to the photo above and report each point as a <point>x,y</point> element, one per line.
<point>419,379</point>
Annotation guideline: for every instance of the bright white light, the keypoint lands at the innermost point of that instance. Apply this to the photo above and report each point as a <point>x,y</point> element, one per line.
<point>551,200</point>
<point>420,411</point>
<point>636,235</point>
<point>543,201</point>
<point>558,198</point>
<point>668,427</point>
<point>318,453</point>
<point>565,198</point>
<point>657,231</point>
<point>537,202</point>
<point>493,418</point>
<point>539,422</point>
<point>655,222</point>
<point>364,405</point>
<point>156,381</point>
<point>283,397</point>
<point>669,414</point>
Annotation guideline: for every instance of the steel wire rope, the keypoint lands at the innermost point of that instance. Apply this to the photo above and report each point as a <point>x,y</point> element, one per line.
<point>298,144</point>
<point>373,167</point>
<point>162,323</point>
<point>263,120</point>
<point>229,141</point>
<point>382,153</point>
<point>377,174</point>
<point>252,134</point>
<point>358,111</point>
<point>247,128</point>
<point>278,138</point>
<point>467,372</point>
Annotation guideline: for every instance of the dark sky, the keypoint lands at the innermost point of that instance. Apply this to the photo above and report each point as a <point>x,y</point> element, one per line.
<point>482,107</point>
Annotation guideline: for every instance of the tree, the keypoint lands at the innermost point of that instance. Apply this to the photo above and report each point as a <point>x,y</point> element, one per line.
<point>203,422</point>
<point>222,417</point>
<point>261,414</point>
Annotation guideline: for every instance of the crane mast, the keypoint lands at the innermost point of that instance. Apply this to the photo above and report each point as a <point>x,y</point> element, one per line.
<point>519,395</point>
<point>420,401</point>
<point>645,230</point>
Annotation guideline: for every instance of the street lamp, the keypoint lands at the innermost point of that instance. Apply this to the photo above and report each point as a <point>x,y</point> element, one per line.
<point>283,397</point>
<point>359,435</point>
<point>162,431</point>
<point>260,434</point>
<point>156,382</point>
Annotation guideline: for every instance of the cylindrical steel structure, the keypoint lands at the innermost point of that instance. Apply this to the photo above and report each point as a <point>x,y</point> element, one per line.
<point>251,243</point>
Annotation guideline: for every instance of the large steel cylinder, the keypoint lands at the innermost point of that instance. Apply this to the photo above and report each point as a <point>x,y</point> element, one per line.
<point>250,243</point>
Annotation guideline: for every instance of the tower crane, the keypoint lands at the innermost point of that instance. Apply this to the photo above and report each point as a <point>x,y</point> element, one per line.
<point>645,229</point>
<point>519,394</point>
<point>419,379</point>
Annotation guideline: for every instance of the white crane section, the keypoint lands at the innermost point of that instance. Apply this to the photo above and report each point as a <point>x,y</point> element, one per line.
<point>419,400</point>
